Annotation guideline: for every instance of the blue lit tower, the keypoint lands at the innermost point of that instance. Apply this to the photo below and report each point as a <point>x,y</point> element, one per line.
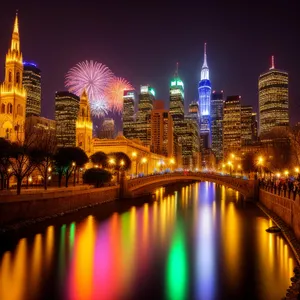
<point>204,91</point>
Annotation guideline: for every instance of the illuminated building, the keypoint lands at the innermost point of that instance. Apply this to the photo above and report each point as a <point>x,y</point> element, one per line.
<point>128,114</point>
<point>254,127</point>
<point>143,161</point>
<point>12,92</point>
<point>273,99</point>
<point>84,125</point>
<point>162,138</point>
<point>41,123</point>
<point>145,106</point>
<point>66,113</point>
<point>177,113</point>
<point>246,125</point>
<point>232,125</point>
<point>217,104</point>
<point>32,84</point>
<point>204,90</point>
<point>107,130</point>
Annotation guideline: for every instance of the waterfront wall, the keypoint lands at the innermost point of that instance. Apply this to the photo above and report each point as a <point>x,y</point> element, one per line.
<point>34,206</point>
<point>287,209</point>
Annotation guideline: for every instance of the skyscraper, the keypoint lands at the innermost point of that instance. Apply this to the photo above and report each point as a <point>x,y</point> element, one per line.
<point>204,90</point>
<point>12,92</point>
<point>84,125</point>
<point>246,125</point>
<point>162,139</point>
<point>145,106</point>
<point>217,105</point>
<point>232,125</point>
<point>66,113</point>
<point>32,84</point>
<point>273,99</point>
<point>177,113</point>
<point>128,114</point>
<point>254,127</point>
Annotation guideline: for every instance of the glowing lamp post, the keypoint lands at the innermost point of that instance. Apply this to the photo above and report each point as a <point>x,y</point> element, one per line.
<point>297,171</point>
<point>172,162</point>
<point>134,157</point>
<point>74,166</point>
<point>144,161</point>
<point>286,173</point>
<point>260,163</point>
<point>230,165</point>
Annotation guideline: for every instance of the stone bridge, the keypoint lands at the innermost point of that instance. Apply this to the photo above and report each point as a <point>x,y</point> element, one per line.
<point>138,186</point>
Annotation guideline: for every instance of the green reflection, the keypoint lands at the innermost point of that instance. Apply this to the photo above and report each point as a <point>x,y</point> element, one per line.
<point>177,269</point>
<point>62,252</point>
<point>72,235</point>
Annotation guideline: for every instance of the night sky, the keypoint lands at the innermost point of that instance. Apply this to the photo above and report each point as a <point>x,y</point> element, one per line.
<point>142,42</point>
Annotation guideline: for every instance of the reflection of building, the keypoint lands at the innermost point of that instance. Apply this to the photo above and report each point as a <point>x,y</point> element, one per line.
<point>66,112</point>
<point>107,130</point>
<point>145,106</point>
<point>84,125</point>
<point>232,125</point>
<point>143,161</point>
<point>204,91</point>
<point>128,114</point>
<point>246,125</point>
<point>217,103</point>
<point>162,132</point>
<point>273,99</point>
<point>32,84</point>
<point>12,92</point>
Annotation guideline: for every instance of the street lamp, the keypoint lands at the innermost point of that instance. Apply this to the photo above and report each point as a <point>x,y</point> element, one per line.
<point>134,156</point>
<point>297,171</point>
<point>172,162</point>
<point>229,164</point>
<point>286,173</point>
<point>278,175</point>
<point>240,168</point>
<point>260,163</point>
<point>74,166</point>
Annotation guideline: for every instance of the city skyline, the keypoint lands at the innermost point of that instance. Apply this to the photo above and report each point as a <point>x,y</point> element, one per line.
<point>156,67</point>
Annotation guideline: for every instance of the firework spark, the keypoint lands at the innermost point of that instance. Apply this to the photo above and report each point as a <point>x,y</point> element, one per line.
<point>94,78</point>
<point>114,93</point>
<point>99,108</point>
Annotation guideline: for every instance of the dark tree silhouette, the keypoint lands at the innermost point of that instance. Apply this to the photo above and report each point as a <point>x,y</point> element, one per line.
<point>119,161</point>
<point>67,160</point>
<point>5,152</point>
<point>248,162</point>
<point>99,158</point>
<point>97,177</point>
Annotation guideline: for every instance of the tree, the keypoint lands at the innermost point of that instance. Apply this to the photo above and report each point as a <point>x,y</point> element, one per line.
<point>99,158</point>
<point>248,162</point>
<point>119,161</point>
<point>97,177</point>
<point>5,152</point>
<point>67,160</point>
<point>43,154</point>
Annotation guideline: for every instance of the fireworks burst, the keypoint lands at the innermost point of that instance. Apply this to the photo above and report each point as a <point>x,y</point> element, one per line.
<point>114,93</point>
<point>94,77</point>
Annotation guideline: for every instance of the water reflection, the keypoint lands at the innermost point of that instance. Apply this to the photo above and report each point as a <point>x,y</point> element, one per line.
<point>196,241</point>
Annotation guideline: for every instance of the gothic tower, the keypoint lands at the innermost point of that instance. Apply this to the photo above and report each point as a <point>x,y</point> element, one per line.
<point>12,92</point>
<point>84,125</point>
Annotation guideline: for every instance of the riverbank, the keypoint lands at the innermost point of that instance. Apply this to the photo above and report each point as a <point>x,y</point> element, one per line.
<point>294,290</point>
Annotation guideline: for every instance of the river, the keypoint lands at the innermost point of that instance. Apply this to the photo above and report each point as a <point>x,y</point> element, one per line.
<point>197,241</point>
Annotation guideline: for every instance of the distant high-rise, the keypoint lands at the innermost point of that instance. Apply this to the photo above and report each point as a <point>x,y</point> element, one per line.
<point>232,125</point>
<point>254,127</point>
<point>162,139</point>
<point>246,125</point>
<point>204,90</point>
<point>145,106</point>
<point>273,99</point>
<point>129,114</point>
<point>66,113</point>
<point>84,125</point>
<point>217,105</point>
<point>32,84</point>
<point>107,130</point>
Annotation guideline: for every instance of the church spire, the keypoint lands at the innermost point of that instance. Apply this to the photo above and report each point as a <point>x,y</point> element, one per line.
<point>272,63</point>
<point>205,70</point>
<point>15,41</point>
<point>176,71</point>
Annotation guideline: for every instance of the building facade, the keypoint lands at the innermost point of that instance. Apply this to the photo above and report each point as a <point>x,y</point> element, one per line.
<point>232,125</point>
<point>12,92</point>
<point>162,136</point>
<point>84,125</point>
<point>204,90</point>
<point>107,130</point>
<point>273,99</point>
<point>128,115</point>
<point>66,113</point>
<point>145,106</point>
<point>217,105</point>
<point>246,125</point>
<point>32,84</point>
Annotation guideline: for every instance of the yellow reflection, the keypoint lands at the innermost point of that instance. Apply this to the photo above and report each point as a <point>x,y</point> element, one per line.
<point>49,245</point>
<point>36,263</point>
